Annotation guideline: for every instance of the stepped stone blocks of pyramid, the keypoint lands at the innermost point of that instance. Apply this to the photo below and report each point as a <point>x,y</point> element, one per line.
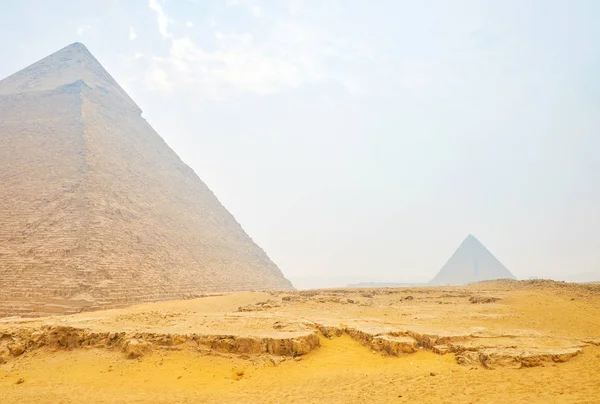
<point>471,262</point>
<point>96,210</point>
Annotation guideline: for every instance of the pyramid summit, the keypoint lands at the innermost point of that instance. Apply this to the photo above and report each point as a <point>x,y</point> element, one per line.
<point>69,66</point>
<point>97,211</point>
<point>471,262</point>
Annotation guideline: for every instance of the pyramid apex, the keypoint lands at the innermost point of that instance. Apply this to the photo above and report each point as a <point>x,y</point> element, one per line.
<point>76,45</point>
<point>471,239</point>
<point>73,63</point>
<point>76,52</point>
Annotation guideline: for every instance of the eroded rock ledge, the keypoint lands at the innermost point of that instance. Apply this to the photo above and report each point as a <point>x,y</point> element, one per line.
<point>15,343</point>
<point>473,350</point>
<point>294,339</point>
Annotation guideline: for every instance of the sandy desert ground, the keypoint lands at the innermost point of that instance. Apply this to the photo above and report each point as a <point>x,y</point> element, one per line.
<point>492,342</point>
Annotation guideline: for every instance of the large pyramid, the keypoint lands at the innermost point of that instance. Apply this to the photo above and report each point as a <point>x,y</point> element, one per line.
<point>96,210</point>
<point>471,262</point>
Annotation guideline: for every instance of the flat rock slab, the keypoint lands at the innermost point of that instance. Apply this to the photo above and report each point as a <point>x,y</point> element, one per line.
<point>514,332</point>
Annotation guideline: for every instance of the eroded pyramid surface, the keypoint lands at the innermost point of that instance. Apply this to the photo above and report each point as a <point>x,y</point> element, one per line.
<point>471,262</point>
<point>96,210</point>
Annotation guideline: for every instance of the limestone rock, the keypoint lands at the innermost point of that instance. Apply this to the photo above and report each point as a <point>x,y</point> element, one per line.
<point>515,358</point>
<point>4,355</point>
<point>135,348</point>
<point>16,349</point>
<point>259,306</point>
<point>483,299</point>
<point>441,349</point>
<point>330,331</point>
<point>395,346</point>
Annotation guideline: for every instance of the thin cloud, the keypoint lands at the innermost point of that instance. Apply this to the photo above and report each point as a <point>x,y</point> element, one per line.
<point>256,11</point>
<point>162,19</point>
<point>132,34</point>
<point>157,79</point>
<point>290,55</point>
<point>81,30</point>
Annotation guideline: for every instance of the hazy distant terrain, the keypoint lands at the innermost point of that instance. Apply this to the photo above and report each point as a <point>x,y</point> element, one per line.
<point>383,285</point>
<point>582,277</point>
<point>314,282</point>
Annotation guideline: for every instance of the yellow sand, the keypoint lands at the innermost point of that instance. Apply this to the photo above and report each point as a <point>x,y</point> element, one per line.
<point>341,371</point>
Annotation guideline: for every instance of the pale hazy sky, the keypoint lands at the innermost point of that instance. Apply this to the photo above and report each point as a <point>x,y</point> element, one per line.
<point>364,139</point>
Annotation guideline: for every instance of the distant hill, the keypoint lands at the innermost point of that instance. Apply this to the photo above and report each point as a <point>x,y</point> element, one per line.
<point>340,281</point>
<point>383,285</point>
<point>471,262</point>
<point>322,282</point>
<point>583,277</point>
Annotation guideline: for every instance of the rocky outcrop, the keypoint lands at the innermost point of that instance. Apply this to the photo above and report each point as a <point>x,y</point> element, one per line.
<point>483,299</point>
<point>394,346</point>
<point>297,338</point>
<point>259,306</point>
<point>515,358</point>
<point>471,350</point>
<point>134,348</point>
<point>134,345</point>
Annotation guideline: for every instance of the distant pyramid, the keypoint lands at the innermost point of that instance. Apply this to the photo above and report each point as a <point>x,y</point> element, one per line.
<point>471,262</point>
<point>96,210</point>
